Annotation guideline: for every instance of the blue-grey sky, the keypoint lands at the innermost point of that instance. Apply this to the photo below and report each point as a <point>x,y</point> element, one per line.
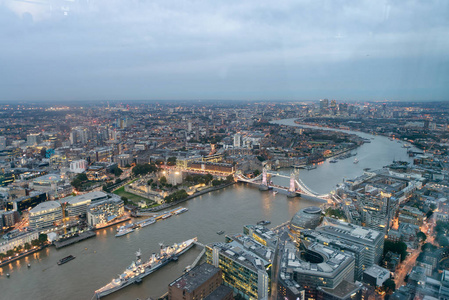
<point>255,49</point>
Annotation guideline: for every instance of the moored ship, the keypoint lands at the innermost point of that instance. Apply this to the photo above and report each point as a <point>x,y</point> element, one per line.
<point>146,222</point>
<point>124,230</point>
<point>181,210</point>
<point>138,269</point>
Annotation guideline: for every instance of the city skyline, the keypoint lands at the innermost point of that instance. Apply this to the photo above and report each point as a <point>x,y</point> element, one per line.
<point>242,51</point>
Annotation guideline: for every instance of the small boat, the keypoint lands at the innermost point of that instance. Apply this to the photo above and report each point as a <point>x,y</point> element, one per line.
<point>29,265</point>
<point>333,161</point>
<point>275,192</point>
<point>65,259</point>
<point>7,275</point>
<point>174,258</point>
<point>220,232</point>
<point>138,280</point>
<point>356,161</point>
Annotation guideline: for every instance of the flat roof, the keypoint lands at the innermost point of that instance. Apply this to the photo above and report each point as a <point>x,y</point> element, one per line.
<point>377,271</point>
<point>73,200</point>
<point>193,279</point>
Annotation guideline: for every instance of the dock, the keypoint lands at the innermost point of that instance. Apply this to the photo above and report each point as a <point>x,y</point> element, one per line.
<point>81,237</point>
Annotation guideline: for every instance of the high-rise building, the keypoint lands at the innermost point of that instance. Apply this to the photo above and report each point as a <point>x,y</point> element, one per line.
<point>371,239</point>
<point>33,139</point>
<point>313,265</point>
<point>45,214</point>
<point>244,263</point>
<point>237,140</point>
<point>324,104</point>
<point>2,143</point>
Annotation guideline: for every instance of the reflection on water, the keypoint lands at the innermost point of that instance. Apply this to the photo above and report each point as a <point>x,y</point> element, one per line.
<point>101,258</point>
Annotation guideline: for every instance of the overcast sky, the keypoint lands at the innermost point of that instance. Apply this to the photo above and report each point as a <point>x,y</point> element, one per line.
<point>253,49</point>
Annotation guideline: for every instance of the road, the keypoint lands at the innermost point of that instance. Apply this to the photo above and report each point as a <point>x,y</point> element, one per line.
<point>406,266</point>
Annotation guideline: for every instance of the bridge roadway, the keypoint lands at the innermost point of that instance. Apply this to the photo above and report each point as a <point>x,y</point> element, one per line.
<point>302,188</point>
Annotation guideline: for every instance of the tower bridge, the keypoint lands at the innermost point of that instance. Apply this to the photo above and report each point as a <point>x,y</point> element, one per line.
<point>296,187</point>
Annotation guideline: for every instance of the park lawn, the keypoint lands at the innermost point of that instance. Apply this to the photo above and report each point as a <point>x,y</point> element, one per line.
<point>134,198</point>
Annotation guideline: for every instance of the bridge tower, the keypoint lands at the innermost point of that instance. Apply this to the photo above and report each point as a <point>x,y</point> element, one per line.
<point>264,185</point>
<point>292,189</point>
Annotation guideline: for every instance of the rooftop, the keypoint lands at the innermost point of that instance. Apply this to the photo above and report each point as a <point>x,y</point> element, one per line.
<point>219,293</point>
<point>73,200</point>
<point>193,279</point>
<point>343,290</point>
<point>45,206</point>
<point>349,231</point>
<point>376,271</point>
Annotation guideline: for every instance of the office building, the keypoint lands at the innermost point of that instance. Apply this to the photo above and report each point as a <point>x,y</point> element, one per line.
<point>78,166</point>
<point>77,205</point>
<point>244,263</point>
<point>344,291</point>
<point>9,218</point>
<point>2,143</point>
<point>371,239</point>
<point>19,240</point>
<point>314,265</point>
<point>357,251</point>
<point>375,275</point>
<point>306,218</point>
<point>45,214</point>
<point>237,140</point>
<point>199,283</point>
<point>101,213</point>
<point>27,202</point>
<point>261,234</point>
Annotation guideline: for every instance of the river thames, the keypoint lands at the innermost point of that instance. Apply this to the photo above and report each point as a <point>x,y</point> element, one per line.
<point>100,259</point>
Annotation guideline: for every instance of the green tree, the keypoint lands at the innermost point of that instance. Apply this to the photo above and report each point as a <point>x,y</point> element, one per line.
<point>230,178</point>
<point>27,246</point>
<point>421,236</point>
<point>142,169</point>
<point>149,182</point>
<point>125,200</point>
<point>256,173</point>
<point>163,180</point>
<point>35,242</point>
<point>389,286</point>
<point>208,178</point>
<point>216,182</point>
<point>116,171</point>
<point>171,161</point>
<point>396,247</point>
<point>42,238</point>
<point>82,177</point>
<point>10,253</point>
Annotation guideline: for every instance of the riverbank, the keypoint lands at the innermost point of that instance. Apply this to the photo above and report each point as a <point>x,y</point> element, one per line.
<point>22,255</point>
<point>205,191</point>
<point>81,237</point>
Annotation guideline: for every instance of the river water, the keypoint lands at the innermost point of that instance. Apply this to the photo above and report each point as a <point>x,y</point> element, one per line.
<point>100,259</point>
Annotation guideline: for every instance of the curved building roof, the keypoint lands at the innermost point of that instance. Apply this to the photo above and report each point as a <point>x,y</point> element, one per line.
<point>45,206</point>
<point>306,218</point>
